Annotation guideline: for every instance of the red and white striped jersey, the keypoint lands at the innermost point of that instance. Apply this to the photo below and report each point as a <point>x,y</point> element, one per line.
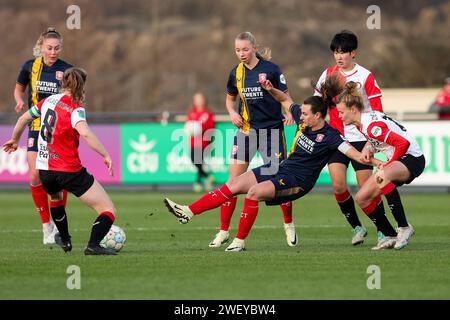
<point>369,90</point>
<point>58,140</point>
<point>388,136</point>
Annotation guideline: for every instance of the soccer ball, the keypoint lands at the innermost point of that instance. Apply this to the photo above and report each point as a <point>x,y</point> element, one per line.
<point>114,239</point>
<point>193,128</point>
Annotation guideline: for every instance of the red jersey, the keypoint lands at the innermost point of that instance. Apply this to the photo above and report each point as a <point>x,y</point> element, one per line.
<point>205,119</point>
<point>58,140</point>
<point>388,136</point>
<point>369,90</point>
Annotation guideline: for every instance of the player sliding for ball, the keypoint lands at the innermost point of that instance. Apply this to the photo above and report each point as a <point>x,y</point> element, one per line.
<point>406,161</point>
<point>63,121</point>
<point>314,143</point>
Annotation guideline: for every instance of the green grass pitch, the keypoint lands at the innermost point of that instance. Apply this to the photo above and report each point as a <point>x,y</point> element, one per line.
<point>165,260</point>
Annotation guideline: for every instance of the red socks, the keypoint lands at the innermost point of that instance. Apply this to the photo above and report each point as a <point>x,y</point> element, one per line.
<point>287,211</point>
<point>248,217</point>
<point>342,197</point>
<point>64,198</point>
<point>226,211</point>
<point>40,198</point>
<point>211,200</point>
<point>372,206</point>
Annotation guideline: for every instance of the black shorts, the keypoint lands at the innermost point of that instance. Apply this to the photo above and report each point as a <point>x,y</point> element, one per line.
<point>415,165</point>
<point>287,186</point>
<point>74,182</point>
<point>339,157</point>
<point>271,144</point>
<point>32,142</point>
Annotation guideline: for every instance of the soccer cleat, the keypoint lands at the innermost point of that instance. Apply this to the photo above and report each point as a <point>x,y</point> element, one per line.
<point>220,238</point>
<point>291,235</point>
<point>98,251</point>
<point>237,245</point>
<point>182,213</point>
<point>197,187</point>
<point>50,230</point>
<point>359,233</point>
<point>65,245</point>
<point>384,242</point>
<point>404,236</point>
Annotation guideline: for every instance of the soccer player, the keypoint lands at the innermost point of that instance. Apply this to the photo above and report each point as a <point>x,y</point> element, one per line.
<point>42,76</point>
<point>260,123</point>
<point>344,46</point>
<point>405,160</point>
<point>63,121</point>
<point>314,143</point>
<point>203,120</point>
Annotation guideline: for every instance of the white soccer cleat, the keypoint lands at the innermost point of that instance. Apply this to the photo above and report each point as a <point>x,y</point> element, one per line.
<point>359,233</point>
<point>404,236</point>
<point>182,213</point>
<point>49,229</point>
<point>384,242</point>
<point>220,238</point>
<point>291,235</point>
<point>237,245</point>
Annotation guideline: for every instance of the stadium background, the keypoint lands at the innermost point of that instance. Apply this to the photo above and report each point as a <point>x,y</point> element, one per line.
<point>145,60</point>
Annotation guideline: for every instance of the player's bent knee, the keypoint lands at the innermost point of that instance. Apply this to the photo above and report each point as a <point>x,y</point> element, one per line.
<point>339,187</point>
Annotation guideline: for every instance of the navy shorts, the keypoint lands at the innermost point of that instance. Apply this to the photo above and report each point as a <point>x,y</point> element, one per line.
<point>32,142</point>
<point>415,165</point>
<point>76,183</point>
<point>287,186</point>
<point>339,157</point>
<point>271,144</point>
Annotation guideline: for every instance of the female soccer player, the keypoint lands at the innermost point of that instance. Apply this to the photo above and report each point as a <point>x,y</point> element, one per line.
<point>42,76</point>
<point>202,118</point>
<point>314,143</point>
<point>405,159</point>
<point>63,121</point>
<point>260,123</point>
<point>343,46</point>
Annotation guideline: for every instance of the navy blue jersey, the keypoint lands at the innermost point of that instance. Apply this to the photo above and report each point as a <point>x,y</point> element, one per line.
<point>42,81</point>
<point>259,109</point>
<point>310,150</point>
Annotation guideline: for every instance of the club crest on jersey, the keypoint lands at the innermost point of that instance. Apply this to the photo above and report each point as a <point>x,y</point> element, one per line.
<point>320,137</point>
<point>59,75</point>
<point>262,77</point>
<point>376,131</point>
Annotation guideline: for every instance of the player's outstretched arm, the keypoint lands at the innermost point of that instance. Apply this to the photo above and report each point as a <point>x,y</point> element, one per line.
<point>95,144</point>
<point>280,96</point>
<point>12,144</point>
<point>354,154</point>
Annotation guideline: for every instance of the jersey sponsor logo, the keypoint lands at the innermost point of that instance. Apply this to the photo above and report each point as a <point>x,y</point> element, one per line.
<point>262,77</point>
<point>59,75</point>
<point>282,79</point>
<point>376,131</point>
<point>252,93</point>
<point>320,137</point>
